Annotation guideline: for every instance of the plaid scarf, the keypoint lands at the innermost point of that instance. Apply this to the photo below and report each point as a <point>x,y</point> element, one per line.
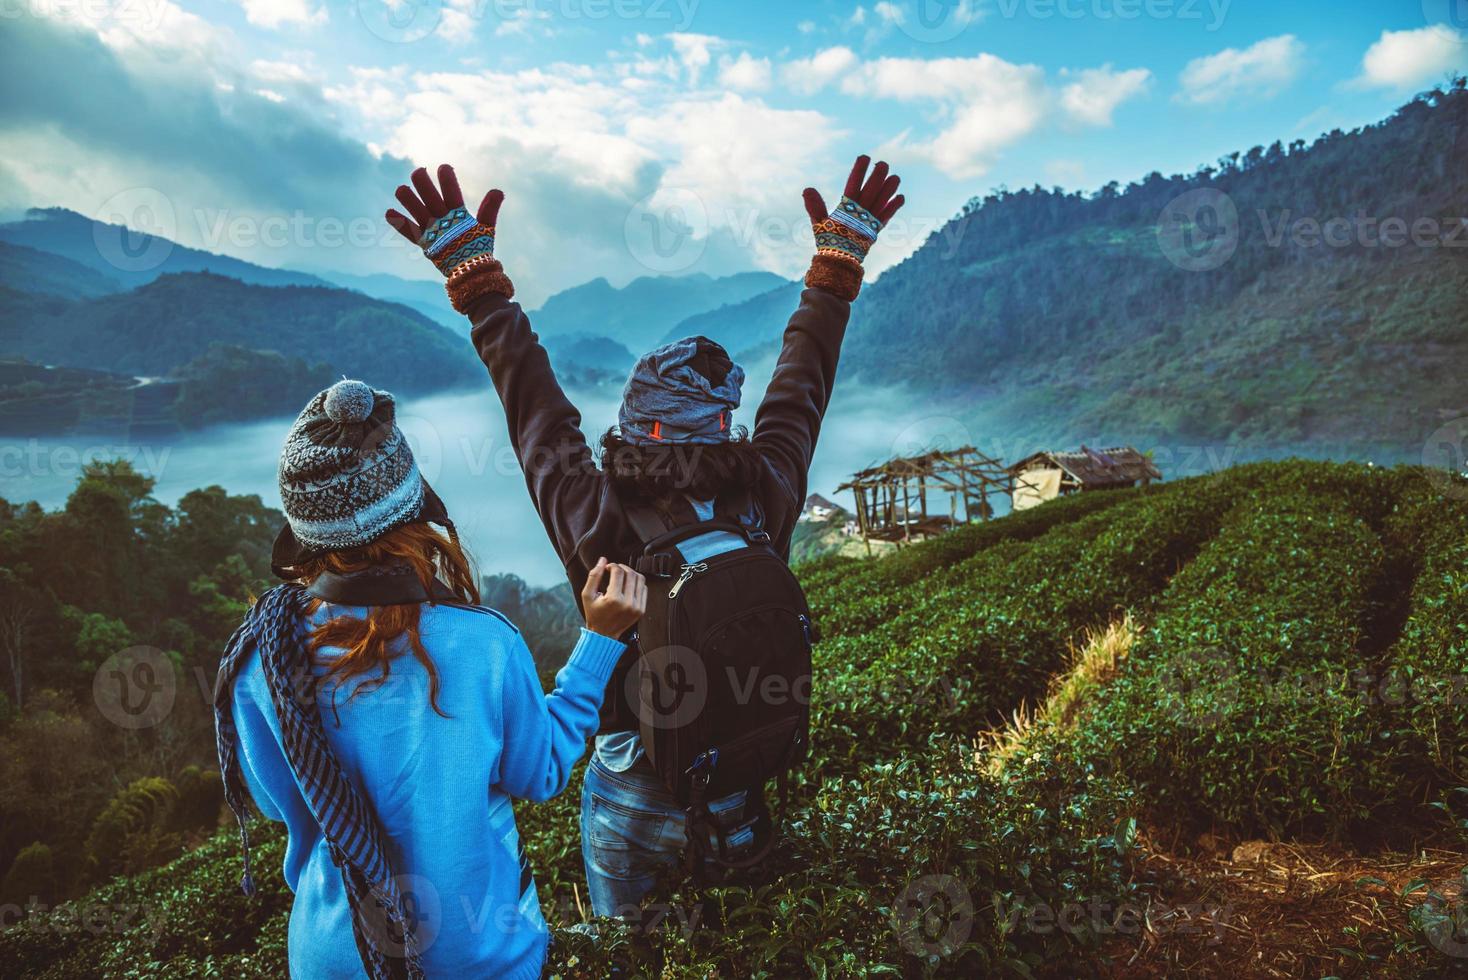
<point>276,626</point>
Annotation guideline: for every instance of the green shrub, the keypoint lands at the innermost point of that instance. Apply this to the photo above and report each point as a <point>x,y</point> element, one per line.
<point>1428,672</point>
<point>1273,571</point>
<point>846,896</point>
<point>853,599</point>
<point>134,830</point>
<point>32,875</point>
<point>1239,705</point>
<point>200,796</point>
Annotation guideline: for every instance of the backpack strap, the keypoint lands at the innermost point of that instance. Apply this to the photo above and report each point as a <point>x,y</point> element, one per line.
<point>650,523</point>
<point>740,506</point>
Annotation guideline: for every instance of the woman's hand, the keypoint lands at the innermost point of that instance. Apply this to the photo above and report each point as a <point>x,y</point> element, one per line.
<point>615,609</point>
<point>440,224</point>
<point>867,204</point>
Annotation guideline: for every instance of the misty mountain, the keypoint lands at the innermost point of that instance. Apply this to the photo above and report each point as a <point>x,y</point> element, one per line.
<point>31,270</point>
<point>745,327</point>
<point>427,296</point>
<point>133,258</point>
<point>642,313</point>
<point>1061,317</point>
<point>158,328</point>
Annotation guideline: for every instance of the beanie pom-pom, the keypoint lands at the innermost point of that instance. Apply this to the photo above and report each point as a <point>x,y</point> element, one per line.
<point>349,402</point>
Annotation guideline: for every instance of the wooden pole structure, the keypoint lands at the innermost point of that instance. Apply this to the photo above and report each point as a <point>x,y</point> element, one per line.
<point>968,518</point>
<point>906,513</point>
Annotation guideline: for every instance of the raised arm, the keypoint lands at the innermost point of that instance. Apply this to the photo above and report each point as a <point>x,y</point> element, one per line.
<point>545,428</point>
<point>789,419</point>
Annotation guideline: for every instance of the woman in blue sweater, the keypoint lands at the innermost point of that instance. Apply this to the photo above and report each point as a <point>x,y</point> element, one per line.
<point>389,720</point>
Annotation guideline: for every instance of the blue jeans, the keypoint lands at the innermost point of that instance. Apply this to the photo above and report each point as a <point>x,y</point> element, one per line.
<point>632,830</point>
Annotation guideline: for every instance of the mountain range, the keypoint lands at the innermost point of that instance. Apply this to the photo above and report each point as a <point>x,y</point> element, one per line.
<point>1201,308</point>
<point>648,311</point>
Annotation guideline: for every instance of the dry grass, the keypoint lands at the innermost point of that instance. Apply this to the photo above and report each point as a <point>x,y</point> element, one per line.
<point>1262,909</point>
<point>1090,667</point>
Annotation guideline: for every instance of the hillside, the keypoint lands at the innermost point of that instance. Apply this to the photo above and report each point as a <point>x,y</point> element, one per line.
<point>427,296</point>
<point>1055,317</point>
<point>158,328</point>
<point>133,258</point>
<point>31,270</point>
<point>1222,740</point>
<point>641,314</point>
<point>744,327</point>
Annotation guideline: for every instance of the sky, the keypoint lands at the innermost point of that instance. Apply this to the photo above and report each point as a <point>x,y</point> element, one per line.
<point>646,137</point>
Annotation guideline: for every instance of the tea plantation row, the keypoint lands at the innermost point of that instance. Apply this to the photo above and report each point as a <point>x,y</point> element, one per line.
<point>901,853</point>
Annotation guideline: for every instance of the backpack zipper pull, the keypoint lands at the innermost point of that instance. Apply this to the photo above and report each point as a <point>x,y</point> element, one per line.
<point>688,571</point>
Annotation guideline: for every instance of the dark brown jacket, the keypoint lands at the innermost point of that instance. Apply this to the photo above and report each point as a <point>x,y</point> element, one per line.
<point>575,500</point>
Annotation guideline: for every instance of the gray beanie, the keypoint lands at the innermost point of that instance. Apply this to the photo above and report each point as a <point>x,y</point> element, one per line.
<point>346,473</point>
<point>684,392</point>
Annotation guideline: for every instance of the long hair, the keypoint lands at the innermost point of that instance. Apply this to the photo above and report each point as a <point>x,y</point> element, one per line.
<point>371,643</point>
<point>660,472</point>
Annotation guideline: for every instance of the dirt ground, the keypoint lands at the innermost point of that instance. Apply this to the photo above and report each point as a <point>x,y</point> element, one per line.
<point>1260,909</point>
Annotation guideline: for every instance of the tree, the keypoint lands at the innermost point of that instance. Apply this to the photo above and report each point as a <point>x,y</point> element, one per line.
<point>18,614</point>
<point>32,876</point>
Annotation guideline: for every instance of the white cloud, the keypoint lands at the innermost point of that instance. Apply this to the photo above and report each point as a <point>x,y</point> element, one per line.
<point>1405,59</point>
<point>805,76</point>
<point>890,13</point>
<point>745,74</point>
<point>1096,92</point>
<point>806,27</point>
<point>287,71</point>
<point>1260,70</point>
<point>987,104</point>
<point>274,13</point>
<point>858,17</point>
<point>694,51</point>
<point>575,154</point>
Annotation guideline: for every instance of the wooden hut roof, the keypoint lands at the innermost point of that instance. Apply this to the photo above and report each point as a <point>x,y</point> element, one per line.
<point>1095,467</point>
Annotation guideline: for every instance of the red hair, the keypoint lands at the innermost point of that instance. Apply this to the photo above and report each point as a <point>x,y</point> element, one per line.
<point>371,643</point>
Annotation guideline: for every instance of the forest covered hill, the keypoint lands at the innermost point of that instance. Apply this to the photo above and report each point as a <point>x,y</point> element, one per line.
<point>1068,308</point>
<point>1236,677</point>
<point>641,314</point>
<point>1309,298</point>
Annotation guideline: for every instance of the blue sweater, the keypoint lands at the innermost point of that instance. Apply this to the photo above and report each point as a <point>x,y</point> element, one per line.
<point>441,788</point>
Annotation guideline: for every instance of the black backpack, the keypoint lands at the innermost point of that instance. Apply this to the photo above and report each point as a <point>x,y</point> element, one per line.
<point>722,684</point>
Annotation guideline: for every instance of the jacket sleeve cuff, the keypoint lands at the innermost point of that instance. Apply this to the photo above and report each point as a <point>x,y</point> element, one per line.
<point>477,278</point>
<point>836,274</point>
<point>596,654</point>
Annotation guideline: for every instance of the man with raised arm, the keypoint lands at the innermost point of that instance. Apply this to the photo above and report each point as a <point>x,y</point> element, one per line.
<point>677,454</point>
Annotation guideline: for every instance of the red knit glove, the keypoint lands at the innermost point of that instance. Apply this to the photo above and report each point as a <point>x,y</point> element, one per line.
<point>461,247</point>
<point>844,236</point>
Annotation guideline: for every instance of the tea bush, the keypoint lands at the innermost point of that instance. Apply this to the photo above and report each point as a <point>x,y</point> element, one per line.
<point>1428,674</point>
<point>1239,706</point>
<point>1255,582</point>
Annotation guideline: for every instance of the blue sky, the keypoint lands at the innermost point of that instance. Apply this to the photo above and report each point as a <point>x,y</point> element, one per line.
<point>657,136</point>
